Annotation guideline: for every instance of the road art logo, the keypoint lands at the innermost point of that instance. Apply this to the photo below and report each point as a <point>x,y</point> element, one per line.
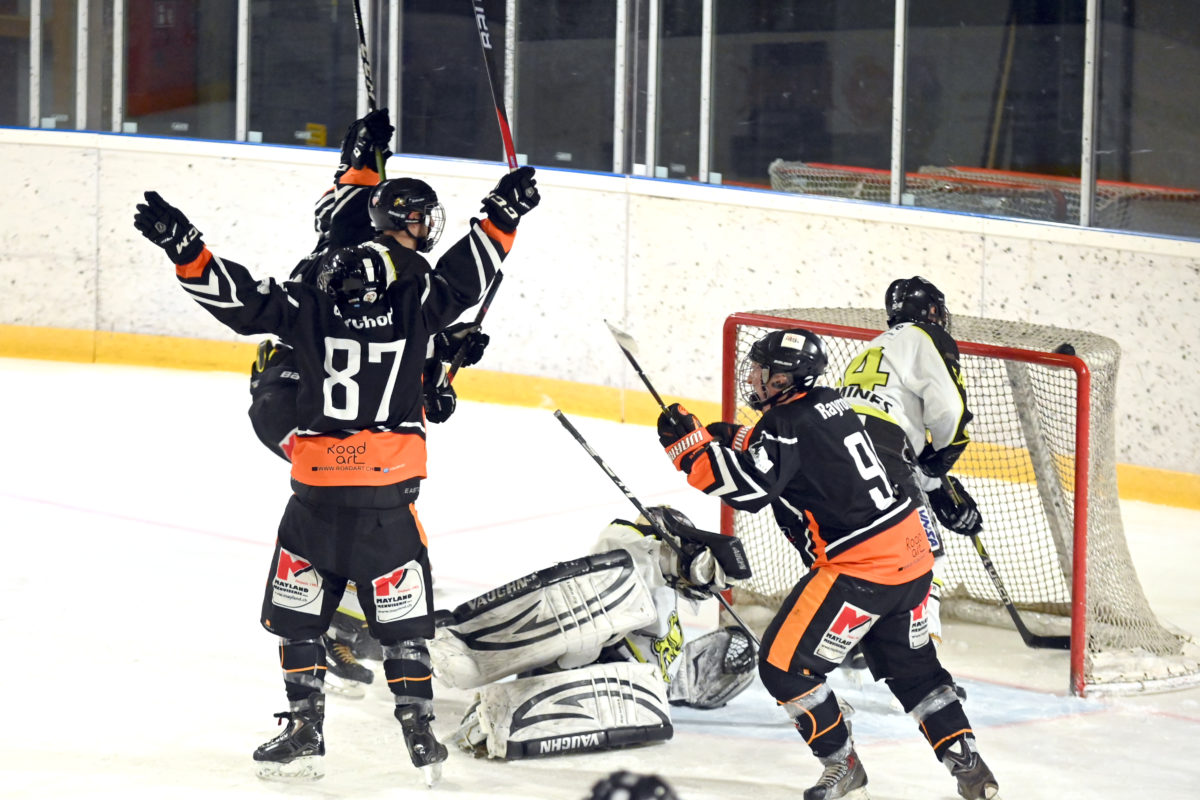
<point>848,628</point>
<point>400,594</point>
<point>296,584</point>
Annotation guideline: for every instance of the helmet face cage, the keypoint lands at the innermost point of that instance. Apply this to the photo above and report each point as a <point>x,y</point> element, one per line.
<point>916,300</point>
<point>396,204</point>
<point>354,278</point>
<point>779,365</point>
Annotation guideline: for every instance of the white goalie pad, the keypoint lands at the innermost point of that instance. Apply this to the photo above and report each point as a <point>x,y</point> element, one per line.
<point>565,614</point>
<point>714,669</point>
<point>579,710</point>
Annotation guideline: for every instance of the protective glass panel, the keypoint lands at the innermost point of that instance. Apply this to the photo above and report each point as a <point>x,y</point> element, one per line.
<point>57,89</point>
<point>801,82</point>
<point>180,68</point>
<point>678,148</point>
<point>565,65</point>
<point>14,63</point>
<point>994,109</point>
<point>304,60</point>
<point>1147,164</point>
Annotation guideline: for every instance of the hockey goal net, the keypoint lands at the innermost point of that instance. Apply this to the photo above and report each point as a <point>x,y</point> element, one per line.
<point>1022,195</point>
<point>1042,467</point>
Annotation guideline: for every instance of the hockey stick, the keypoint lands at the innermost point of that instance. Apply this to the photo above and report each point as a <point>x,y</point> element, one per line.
<point>483,309</point>
<point>1030,638</point>
<point>367,76</point>
<point>489,69</point>
<point>662,532</point>
<point>629,347</point>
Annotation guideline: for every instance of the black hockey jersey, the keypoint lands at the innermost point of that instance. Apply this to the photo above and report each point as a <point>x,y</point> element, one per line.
<point>360,395</point>
<point>811,461</point>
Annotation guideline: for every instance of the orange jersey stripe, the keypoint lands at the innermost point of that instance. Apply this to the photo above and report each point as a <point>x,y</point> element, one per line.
<point>195,268</point>
<point>359,177</point>
<point>893,556</point>
<point>412,507</point>
<point>368,458</point>
<point>505,240</point>
<point>798,619</point>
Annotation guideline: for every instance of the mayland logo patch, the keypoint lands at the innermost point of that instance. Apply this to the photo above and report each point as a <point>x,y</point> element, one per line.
<point>847,629</point>
<point>400,594</point>
<point>296,584</point>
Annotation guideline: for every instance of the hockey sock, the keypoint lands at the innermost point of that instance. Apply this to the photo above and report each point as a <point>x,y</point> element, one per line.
<point>409,675</point>
<point>942,720</point>
<point>303,663</point>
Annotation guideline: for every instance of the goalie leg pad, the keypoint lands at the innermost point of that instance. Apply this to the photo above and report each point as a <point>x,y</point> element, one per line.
<point>714,669</point>
<point>566,613</point>
<point>580,710</point>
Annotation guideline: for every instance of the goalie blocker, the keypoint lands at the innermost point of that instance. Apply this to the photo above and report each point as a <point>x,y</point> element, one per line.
<point>614,607</point>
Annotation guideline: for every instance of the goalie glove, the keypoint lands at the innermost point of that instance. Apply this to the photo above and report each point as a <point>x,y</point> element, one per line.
<point>515,196</point>
<point>166,226</point>
<point>465,337</point>
<point>955,509</point>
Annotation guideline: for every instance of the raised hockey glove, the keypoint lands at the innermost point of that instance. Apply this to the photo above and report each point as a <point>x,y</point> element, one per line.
<point>465,337</point>
<point>956,509</point>
<point>167,227</point>
<point>440,398</point>
<point>515,195</point>
<point>681,435</point>
<point>730,434</point>
<point>366,136</point>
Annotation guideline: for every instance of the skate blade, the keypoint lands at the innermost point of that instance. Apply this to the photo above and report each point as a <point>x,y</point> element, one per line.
<point>299,770</point>
<point>352,690</point>
<point>431,774</point>
<point>858,794</point>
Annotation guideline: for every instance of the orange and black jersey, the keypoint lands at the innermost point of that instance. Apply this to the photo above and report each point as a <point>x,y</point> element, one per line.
<point>361,419</point>
<point>810,459</point>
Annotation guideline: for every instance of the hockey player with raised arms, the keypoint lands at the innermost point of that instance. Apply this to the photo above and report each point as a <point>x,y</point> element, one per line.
<point>906,386</point>
<point>596,644</point>
<point>359,337</point>
<point>868,557</point>
<point>342,217</point>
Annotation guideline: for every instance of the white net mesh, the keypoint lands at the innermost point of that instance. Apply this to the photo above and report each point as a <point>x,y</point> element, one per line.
<point>1020,468</point>
<point>1000,193</point>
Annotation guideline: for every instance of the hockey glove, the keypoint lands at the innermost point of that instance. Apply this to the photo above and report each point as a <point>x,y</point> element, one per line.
<point>936,463</point>
<point>730,434</point>
<point>167,227</point>
<point>273,362</point>
<point>515,196</point>
<point>956,509</point>
<point>681,435</point>
<point>465,337</point>
<point>440,398</point>
<point>366,136</point>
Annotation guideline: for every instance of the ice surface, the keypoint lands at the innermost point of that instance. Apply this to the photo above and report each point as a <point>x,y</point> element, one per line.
<point>139,513</point>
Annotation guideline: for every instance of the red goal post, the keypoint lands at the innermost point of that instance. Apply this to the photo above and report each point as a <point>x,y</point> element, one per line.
<point>1042,468</point>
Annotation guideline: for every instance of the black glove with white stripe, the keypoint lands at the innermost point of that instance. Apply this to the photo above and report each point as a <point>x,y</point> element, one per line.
<point>515,196</point>
<point>166,226</point>
<point>956,509</point>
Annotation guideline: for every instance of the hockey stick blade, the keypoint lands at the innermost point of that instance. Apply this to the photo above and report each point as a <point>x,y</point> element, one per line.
<point>663,535</point>
<point>1030,638</point>
<point>629,347</point>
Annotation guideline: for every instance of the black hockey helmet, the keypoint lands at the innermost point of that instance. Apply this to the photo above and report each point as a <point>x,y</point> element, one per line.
<point>669,518</point>
<point>787,361</point>
<point>915,300</point>
<point>398,202</point>
<point>355,277</point>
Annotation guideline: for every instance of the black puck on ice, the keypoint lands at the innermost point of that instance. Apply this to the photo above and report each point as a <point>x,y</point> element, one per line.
<point>1065,349</point>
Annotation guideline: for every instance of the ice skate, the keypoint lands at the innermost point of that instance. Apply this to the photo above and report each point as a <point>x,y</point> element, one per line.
<point>353,633</point>
<point>297,753</point>
<point>426,752</point>
<point>975,780</point>
<point>344,675</point>
<point>844,777</point>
